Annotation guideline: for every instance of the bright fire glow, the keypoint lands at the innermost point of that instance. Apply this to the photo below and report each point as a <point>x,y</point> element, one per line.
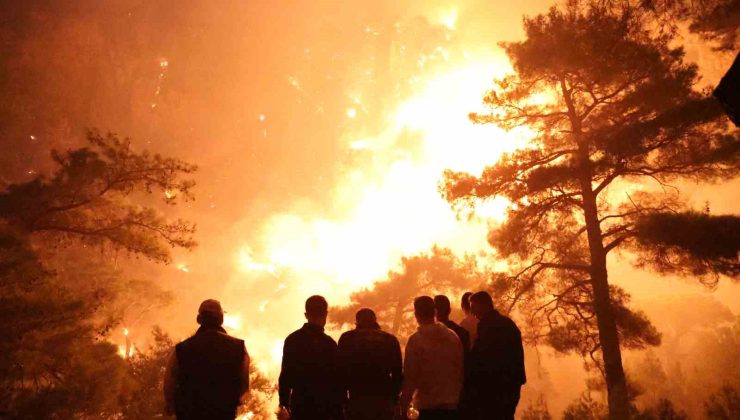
<point>122,351</point>
<point>247,262</point>
<point>391,205</point>
<point>233,322</point>
<point>396,209</point>
<point>449,18</point>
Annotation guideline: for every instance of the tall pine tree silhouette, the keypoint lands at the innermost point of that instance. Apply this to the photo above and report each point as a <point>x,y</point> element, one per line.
<point>613,105</point>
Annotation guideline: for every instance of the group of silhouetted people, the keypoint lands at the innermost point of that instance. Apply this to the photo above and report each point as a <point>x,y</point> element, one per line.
<point>473,370</point>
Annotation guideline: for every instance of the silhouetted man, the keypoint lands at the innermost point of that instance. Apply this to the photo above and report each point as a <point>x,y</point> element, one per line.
<point>470,322</point>
<point>433,368</point>
<point>371,369</point>
<point>208,373</point>
<point>442,311</point>
<point>309,385</point>
<point>496,363</point>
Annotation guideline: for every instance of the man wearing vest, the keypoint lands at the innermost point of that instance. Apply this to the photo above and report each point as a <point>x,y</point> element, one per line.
<point>208,374</point>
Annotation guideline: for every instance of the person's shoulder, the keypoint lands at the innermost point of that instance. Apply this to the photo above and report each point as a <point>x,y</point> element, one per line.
<point>385,339</point>
<point>184,343</point>
<point>469,320</point>
<point>347,339</point>
<point>454,326</point>
<point>388,336</point>
<point>329,340</point>
<point>490,320</point>
<point>451,333</point>
<point>347,335</point>
<point>462,331</point>
<point>513,326</point>
<point>506,320</point>
<point>233,340</point>
<point>505,323</point>
<point>295,335</point>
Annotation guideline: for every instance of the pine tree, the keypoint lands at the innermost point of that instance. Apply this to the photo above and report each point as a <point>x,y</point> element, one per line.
<point>59,298</point>
<point>612,104</point>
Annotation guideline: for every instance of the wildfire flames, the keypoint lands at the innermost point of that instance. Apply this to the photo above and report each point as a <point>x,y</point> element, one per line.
<point>392,206</point>
<point>386,203</point>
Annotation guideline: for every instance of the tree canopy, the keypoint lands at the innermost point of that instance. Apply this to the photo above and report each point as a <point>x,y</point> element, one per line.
<point>612,105</point>
<point>60,298</point>
<point>89,198</point>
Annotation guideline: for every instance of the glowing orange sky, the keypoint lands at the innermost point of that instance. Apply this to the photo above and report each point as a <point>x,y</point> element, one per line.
<point>321,131</point>
<point>320,128</point>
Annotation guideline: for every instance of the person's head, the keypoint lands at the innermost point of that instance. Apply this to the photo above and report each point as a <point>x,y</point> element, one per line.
<point>316,310</point>
<point>442,307</point>
<point>424,310</point>
<point>365,318</point>
<point>465,302</point>
<point>210,313</point>
<point>481,304</point>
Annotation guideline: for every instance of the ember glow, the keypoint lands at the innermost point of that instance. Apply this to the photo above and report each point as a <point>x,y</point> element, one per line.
<point>389,209</point>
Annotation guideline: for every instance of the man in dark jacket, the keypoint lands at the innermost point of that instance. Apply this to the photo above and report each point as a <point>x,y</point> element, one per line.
<point>496,363</point>
<point>208,373</point>
<point>371,369</point>
<point>309,385</point>
<point>442,310</point>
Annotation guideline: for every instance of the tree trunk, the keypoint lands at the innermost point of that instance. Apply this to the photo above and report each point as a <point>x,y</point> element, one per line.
<point>609,339</point>
<point>616,383</point>
<point>397,319</point>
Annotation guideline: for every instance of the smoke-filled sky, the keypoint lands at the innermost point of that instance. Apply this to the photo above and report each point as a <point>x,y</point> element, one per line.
<point>320,128</point>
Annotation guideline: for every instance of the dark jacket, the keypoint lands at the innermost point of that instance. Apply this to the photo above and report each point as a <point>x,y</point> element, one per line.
<point>309,379</point>
<point>371,363</point>
<point>462,334</point>
<point>209,375</point>
<point>496,361</point>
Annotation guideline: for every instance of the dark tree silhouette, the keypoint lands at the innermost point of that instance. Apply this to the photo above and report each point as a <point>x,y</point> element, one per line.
<point>59,298</point>
<point>612,104</point>
<point>88,199</point>
<point>53,362</point>
<point>690,243</point>
<point>723,405</point>
<point>714,20</point>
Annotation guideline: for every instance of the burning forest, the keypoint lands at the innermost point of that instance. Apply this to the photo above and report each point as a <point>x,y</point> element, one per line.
<point>578,161</point>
